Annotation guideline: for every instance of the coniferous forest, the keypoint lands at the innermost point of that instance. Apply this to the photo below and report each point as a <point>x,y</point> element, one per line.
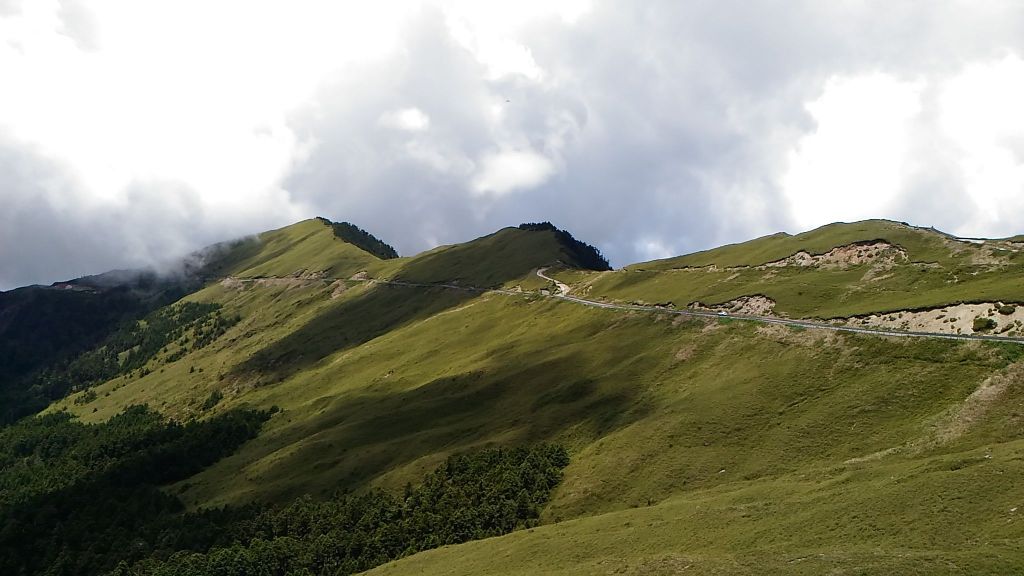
<point>83,499</point>
<point>361,238</point>
<point>131,340</point>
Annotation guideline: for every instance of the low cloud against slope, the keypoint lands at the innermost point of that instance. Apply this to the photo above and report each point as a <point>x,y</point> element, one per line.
<point>132,132</point>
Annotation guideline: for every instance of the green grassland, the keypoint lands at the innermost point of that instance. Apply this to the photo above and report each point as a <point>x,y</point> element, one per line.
<point>924,517</point>
<point>309,246</point>
<point>710,447</point>
<point>508,257</point>
<point>922,244</point>
<point>939,270</point>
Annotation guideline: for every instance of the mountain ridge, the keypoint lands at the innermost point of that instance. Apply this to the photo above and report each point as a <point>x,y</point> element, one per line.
<point>232,249</point>
<point>697,441</point>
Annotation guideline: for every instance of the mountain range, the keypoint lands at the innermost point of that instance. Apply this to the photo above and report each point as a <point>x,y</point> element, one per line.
<point>847,400</point>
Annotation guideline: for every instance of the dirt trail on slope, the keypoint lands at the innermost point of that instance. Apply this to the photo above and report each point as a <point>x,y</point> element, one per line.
<point>298,279</point>
<point>562,288</point>
<point>958,419</point>
<point>962,418</point>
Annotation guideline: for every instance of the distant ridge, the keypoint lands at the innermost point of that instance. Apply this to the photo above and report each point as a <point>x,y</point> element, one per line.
<point>361,239</point>
<point>585,255</point>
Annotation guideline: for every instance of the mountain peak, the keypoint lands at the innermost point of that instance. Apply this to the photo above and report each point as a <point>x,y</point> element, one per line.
<point>580,254</point>
<point>304,247</point>
<point>361,239</point>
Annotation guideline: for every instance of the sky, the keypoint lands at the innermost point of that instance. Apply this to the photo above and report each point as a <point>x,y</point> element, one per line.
<point>133,132</point>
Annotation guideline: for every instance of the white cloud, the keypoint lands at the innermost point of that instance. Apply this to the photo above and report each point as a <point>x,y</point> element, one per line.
<point>852,164</point>
<point>408,119</point>
<point>511,170</point>
<point>160,99</point>
<point>489,30</point>
<point>981,116</point>
<point>944,149</point>
<point>653,249</point>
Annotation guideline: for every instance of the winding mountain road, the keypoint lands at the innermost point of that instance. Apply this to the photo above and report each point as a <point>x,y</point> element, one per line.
<point>564,290</point>
<point>810,324</point>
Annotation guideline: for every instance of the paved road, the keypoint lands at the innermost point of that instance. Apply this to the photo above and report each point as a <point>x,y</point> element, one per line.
<point>809,324</point>
<point>769,319</point>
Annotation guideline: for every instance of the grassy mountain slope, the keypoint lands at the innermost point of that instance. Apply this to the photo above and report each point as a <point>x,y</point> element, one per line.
<point>941,515</point>
<point>923,269</point>
<point>719,445</point>
<point>923,245</point>
<point>654,413</point>
<point>361,238</point>
<point>507,257</point>
<point>305,247</point>
<point>44,329</point>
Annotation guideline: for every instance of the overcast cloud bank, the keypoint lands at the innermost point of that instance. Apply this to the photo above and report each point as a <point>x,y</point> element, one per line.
<point>133,132</point>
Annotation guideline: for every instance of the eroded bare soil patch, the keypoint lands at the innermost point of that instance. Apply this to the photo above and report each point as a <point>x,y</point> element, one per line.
<point>756,305</point>
<point>1005,319</point>
<point>880,253</point>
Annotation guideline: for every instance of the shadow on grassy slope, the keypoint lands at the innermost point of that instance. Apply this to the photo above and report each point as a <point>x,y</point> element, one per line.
<point>489,261</point>
<point>348,324</point>
<point>384,430</point>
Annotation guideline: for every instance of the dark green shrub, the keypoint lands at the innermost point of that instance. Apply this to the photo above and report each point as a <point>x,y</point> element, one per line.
<point>983,324</point>
<point>214,399</point>
<point>84,399</point>
<point>1007,309</point>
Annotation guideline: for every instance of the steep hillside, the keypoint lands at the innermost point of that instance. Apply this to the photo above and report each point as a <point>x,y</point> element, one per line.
<point>509,256</point>
<point>836,271</point>
<point>762,426</point>
<point>46,327</point>
<point>706,445</point>
<point>361,238</point>
<point>921,245</point>
<point>307,248</point>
